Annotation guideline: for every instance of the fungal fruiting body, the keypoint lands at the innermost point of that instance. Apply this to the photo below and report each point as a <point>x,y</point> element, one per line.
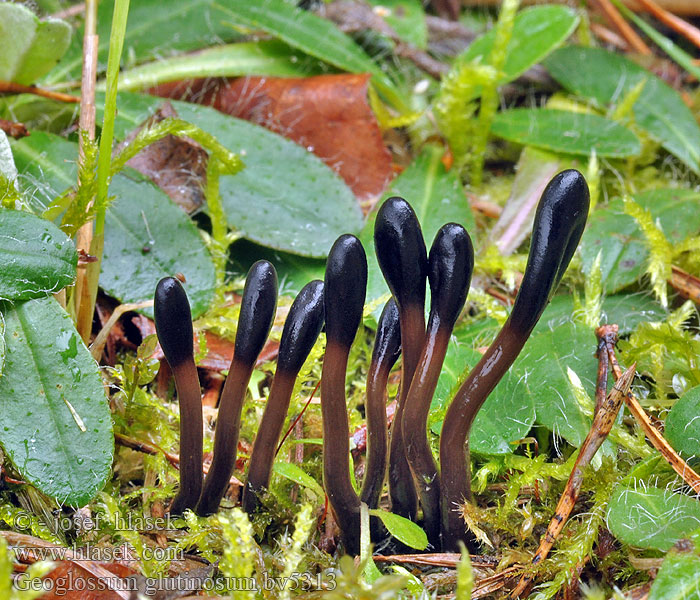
<point>450,267</point>
<point>386,351</point>
<point>174,329</point>
<point>344,297</point>
<point>559,223</point>
<point>258,307</point>
<point>301,329</point>
<point>403,260</point>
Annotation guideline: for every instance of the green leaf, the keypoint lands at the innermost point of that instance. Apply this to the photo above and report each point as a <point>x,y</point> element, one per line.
<point>606,78</point>
<point>402,529</point>
<point>437,197</point>
<point>296,474</point>
<point>318,206</point>
<point>316,36</point>
<point>650,517</point>
<point>31,48</point>
<point>406,18</point>
<point>56,426</point>
<point>293,271</point>
<point>147,237</point>
<point>683,426</point>
<point>625,310</point>
<point>2,343</point>
<point>508,412</point>
<point>145,231</point>
<point>266,57</point>
<point>566,132</point>
<point>541,370</point>
<point>154,31</point>
<point>617,236</point>
<point>37,257</point>
<point>678,578</point>
<point>536,32</point>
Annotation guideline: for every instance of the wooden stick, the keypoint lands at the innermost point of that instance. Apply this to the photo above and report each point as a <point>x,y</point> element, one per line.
<point>10,87</point>
<point>625,29</point>
<point>603,421</point>
<point>688,31</point>
<point>656,439</point>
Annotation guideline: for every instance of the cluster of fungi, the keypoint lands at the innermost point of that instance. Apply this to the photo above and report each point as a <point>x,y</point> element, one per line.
<point>403,452</point>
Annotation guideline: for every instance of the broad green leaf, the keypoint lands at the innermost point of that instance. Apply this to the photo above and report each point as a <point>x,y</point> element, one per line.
<point>683,426</point>
<point>296,474</point>
<point>285,197</point>
<point>650,517</point>
<point>606,78</point>
<point>406,17</point>
<point>536,32</point>
<point>56,426</point>
<point>293,271</point>
<point>37,257</point>
<point>402,529</point>
<point>30,47</point>
<point>624,310</point>
<point>617,236</point>
<point>269,57</point>
<point>316,36</point>
<point>566,132</point>
<point>437,197</point>
<point>2,343</point>
<point>678,578</point>
<point>154,31</point>
<point>507,414</point>
<point>541,370</point>
<point>147,236</point>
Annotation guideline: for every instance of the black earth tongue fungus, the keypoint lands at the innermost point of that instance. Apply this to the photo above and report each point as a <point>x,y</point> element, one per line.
<point>301,329</point>
<point>559,223</point>
<point>344,298</point>
<point>258,307</point>
<point>403,260</point>
<point>174,328</point>
<point>387,349</point>
<point>450,267</point>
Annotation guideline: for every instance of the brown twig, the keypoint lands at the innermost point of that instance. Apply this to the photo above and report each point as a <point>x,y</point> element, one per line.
<point>687,285</point>
<point>656,439</point>
<point>10,87</point>
<point>617,20</point>
<point>603,421</point>
<point>14,130</point>
<point>83,239</point>
<point>688,31</point>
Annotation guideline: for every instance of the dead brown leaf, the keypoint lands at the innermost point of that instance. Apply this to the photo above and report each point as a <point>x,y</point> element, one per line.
<point>327,114</point>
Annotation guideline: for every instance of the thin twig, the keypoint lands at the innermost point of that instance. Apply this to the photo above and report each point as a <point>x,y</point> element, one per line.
<point>602,424</point>
<point>687,285</point>
<point>625,29</point>
<point>83,238</point>
<point>656,439</point>
<point>688,31</point>
<point>10,87</point>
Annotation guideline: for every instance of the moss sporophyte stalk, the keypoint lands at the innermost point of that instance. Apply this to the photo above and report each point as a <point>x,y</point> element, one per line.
<point>414,477</point>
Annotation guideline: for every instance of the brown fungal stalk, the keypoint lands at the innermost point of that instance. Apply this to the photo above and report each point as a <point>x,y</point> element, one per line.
<point>301,329</point>
<point>174,329</point>
<point>450,267</point>
<point>403,260</point>
<point>559,223</point>
<point>387,348</point>
<point>344,297</point>
<point>257,313</point>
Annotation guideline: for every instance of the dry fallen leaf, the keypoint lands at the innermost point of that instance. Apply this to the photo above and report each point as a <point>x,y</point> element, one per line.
<point>327,114</point>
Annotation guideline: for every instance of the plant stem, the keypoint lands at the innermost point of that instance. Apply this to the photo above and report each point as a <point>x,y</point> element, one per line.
<point>116,43</point>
